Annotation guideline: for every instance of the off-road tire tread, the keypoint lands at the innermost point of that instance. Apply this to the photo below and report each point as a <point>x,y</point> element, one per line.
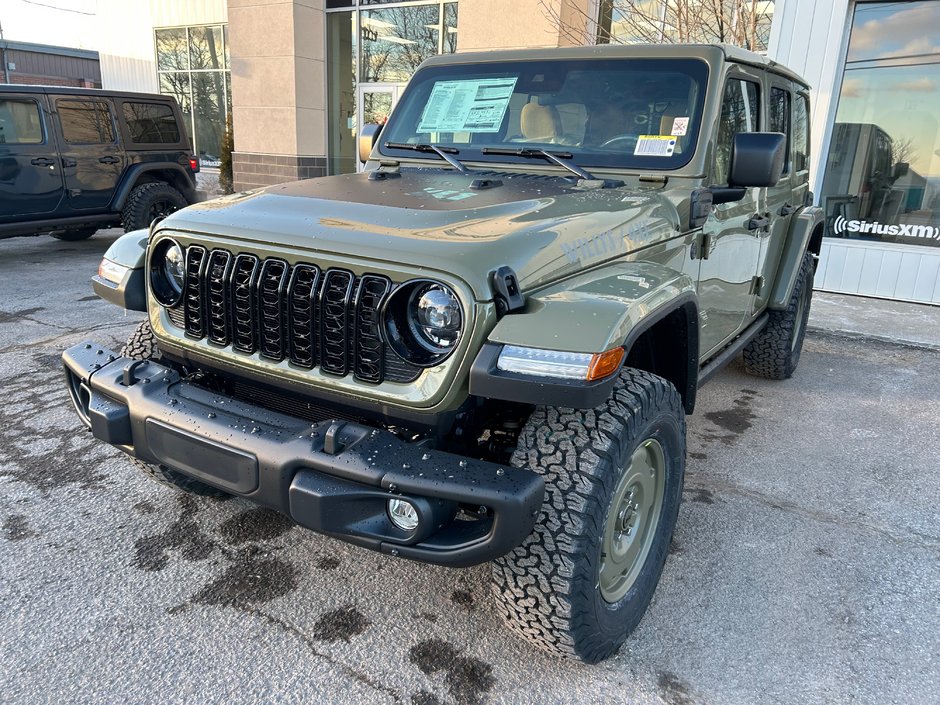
<point>142,345</point>
<point>134,214</point>
<point>542,594</point>
<point>771,353</point>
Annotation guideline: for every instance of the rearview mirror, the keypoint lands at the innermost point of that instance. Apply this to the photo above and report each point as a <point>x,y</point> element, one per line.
<point>368,136</point>
<point>757,159</point>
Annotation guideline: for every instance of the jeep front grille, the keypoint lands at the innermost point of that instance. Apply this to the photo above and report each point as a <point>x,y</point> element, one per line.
<point>298,313</point>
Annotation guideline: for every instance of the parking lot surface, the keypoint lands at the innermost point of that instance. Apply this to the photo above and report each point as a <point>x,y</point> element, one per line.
<point>805,567</point>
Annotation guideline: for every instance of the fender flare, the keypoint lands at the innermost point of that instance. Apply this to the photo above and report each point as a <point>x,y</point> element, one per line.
<point>133,174</point>
<point>800,236</point>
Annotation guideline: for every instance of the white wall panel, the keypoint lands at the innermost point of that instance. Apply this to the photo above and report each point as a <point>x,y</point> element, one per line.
<point>126,29</point>
<point>810,38</point>
<point>881,270</point>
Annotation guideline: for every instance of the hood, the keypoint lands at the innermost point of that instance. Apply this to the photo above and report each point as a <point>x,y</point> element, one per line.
<point>544,227</point>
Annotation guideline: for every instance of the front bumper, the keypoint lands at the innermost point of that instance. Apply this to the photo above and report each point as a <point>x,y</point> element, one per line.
<point>334,477</point>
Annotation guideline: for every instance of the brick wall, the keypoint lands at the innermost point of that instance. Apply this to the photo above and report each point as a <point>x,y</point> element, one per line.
<point>255,170</point>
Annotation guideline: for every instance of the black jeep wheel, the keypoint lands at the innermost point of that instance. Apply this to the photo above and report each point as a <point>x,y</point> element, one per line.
<point>143,346</point>
<point>580,583</point>
<point>775,351</point>
<point>76,234</point>
<point>148,202</point>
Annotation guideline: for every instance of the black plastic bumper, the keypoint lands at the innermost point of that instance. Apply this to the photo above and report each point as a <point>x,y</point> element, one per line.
<point>334,477</point>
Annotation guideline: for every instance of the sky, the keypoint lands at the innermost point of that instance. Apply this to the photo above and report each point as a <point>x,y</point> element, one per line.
<point>69,23</point>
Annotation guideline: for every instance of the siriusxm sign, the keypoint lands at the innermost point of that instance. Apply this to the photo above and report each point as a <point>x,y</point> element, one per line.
<point>926,232</point>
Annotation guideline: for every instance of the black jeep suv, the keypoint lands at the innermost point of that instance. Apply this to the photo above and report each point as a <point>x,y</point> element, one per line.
<point>75,160</point>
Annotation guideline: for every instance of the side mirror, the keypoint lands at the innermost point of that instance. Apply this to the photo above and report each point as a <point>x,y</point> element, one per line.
<point>757,159</point>
<point>368,136</point>
<point>900,169</point>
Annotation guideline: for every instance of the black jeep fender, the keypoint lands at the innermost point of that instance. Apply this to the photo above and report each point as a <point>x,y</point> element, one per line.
<point>172,173</point>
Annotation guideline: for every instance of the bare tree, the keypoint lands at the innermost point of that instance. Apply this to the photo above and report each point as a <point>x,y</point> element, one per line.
<point>745,23</point>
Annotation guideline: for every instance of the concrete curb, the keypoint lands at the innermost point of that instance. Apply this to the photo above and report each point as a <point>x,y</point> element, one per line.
<point>856,335</point>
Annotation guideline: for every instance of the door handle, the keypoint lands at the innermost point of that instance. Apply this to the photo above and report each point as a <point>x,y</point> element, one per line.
<point>42,161</point>
<point>786,209</point>
<point>758,222</point>
<point>67,162</point>
<point>109,160</point>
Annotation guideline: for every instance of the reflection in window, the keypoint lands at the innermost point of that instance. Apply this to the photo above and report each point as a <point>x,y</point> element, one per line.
<point>396,40</point>
<point>800,133</point>
<point>745,24</point>
<point>193,67</point>
<point>882,177</point>
<point>151,123</point>
<point>85,121</point>
<point>740,111</point>
<point>780,119</point>
<point>20,122</point>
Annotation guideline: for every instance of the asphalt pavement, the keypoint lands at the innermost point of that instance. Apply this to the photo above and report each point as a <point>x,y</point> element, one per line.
<point>805,567</point>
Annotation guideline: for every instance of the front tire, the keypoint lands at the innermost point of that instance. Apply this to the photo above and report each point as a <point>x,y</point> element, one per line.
<point>148,202</point>
<point>581,582</point>
<point>775,351</point>
<point>142,345</point>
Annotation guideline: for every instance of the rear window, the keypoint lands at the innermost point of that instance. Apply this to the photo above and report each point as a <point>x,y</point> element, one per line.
<point>20,122</point>
<point>151,123</point>
<point>86,121</point>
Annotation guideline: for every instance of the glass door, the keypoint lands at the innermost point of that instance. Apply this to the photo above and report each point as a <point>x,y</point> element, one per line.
<point>375,103</point>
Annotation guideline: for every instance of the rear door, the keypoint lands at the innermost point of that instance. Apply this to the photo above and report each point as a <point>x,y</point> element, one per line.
<point>730,251</point>
<point>30,177</point>
<point>92,156</point>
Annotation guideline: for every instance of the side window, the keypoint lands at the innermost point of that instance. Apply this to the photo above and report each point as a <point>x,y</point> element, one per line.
<point>800,133</point>
<point>740,111</point>
<point>780,118</point>
<point>86,121</point>
<point>20,122</point>
<point>151,123</point>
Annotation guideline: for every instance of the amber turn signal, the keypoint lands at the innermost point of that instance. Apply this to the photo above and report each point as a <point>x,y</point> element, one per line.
<point>605,364</point>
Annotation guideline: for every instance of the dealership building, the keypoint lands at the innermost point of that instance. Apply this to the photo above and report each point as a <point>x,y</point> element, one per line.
<point>299,77</point>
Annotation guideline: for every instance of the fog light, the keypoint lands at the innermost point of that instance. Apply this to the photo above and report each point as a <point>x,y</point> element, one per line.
<point>403,514</point>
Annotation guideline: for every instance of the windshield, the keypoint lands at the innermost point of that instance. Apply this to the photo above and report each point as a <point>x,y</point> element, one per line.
<point>617,113</point>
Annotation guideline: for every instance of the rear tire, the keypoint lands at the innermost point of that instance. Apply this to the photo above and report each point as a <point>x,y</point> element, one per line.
<point>142,345</point>
<point>148,202</point>
<point>775,351</point>
<point>75,235</point>
<point>581,582</point>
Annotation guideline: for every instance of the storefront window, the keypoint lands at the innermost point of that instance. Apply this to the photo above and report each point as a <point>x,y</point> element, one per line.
<point>193,66</point>
<point>882,177</point>
<point>373,50</point>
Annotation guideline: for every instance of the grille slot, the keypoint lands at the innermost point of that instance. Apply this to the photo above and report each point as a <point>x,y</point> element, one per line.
<point>244,279</point>
<point>218,323</point>
<point>369,348</point>
<point>193,311</point>
<point>300,313</point>
<point>272,286</point>
<point>301,298</point>
<point>334,315</point>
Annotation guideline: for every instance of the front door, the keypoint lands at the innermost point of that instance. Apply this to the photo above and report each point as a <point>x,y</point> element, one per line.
<point>731,249</point>
<point>30,174</point>
<point>92,156</point>
<point>375,103</point>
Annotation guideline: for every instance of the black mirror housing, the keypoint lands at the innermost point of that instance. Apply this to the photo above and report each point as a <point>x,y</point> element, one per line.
<point>757,159</point>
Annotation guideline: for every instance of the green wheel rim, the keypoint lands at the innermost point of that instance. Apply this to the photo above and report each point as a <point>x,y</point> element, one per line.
<point>632,519</point>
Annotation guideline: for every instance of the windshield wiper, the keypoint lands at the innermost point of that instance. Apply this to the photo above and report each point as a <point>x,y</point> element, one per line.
<point>443,152</point>
<point>559,158</point>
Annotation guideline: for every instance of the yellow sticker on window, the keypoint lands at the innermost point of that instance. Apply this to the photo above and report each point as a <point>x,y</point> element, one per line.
<point>655,146</point>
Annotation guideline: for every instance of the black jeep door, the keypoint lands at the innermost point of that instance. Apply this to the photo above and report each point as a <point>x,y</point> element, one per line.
<point>30,176</point>
<point>92,156</point>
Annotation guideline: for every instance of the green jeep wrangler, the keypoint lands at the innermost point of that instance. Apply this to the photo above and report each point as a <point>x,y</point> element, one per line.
<point>483,347</point>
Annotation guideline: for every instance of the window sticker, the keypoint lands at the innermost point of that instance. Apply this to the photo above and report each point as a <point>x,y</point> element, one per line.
<point>474,105</point>
<point>655,146</point>
<point>680,126</point>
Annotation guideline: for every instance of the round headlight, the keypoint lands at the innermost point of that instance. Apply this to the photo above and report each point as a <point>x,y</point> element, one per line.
<point>423,322</point>
<point>435,313</point>
<point>167,270</point>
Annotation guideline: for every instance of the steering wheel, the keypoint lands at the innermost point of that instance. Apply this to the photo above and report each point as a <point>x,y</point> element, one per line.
<point>629,140</point>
